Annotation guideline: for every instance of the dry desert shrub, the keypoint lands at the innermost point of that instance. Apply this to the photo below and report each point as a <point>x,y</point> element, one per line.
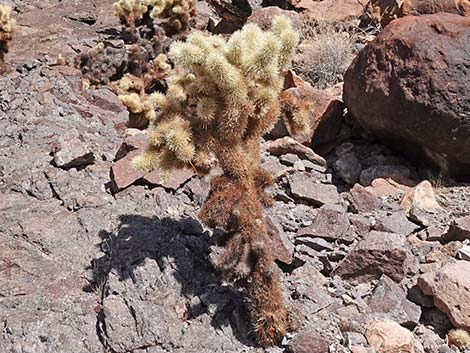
<point>325,52</point>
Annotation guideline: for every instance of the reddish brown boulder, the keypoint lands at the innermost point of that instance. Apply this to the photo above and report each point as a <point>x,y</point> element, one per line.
<point>332,10</point>
<point>324,110</point>
<point>422,7</point>
<point>411,87</point>
<point>264,16</point>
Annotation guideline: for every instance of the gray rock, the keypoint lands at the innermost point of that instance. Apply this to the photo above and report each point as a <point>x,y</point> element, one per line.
<point>396,172</point>
<point>328,224</point>
<point>390,299</point>
<point>459,229</point>
<point>348,167</point>
<point>362,200</point>
<point>397,222</point>
<point>304,187</point>
<point>308,341</point>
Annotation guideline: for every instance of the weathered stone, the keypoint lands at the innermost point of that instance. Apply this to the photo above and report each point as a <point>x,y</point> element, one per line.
<point>308,341</point>
<point>304,187</point>
<point>324,110</point>
<point>263,17</point>
<point>421,204</point>
<point>123,173</point>
<point>177,178</point>
<point>389,298</point>
<point>394,172</point>
<point>388,336</point>
<point>421,114</point>
<point>397,222</point>
<point>459,229</point>
<point>331,10</point>
<point>362,200</point>
<point>349,168</point>
<point>328,224</point>
<point>282,247</point>
<point>289,145</point>
<point>423,7</point>
<point>384,188</point>
<point>73,153</point>
<point>450,287</point>
<point>376,254</point>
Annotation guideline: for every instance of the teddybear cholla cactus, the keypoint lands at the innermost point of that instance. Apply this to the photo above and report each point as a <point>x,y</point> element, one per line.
<point>222,96</point>
<point>7,26</point>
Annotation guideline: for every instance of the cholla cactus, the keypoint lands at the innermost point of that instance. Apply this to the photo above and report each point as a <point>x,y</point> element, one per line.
<point>459,338</point>
<point>178,15</point>
<point>7,27</point>
<point>129,11</point>
<point>222,96</point>
<point>132,91</point>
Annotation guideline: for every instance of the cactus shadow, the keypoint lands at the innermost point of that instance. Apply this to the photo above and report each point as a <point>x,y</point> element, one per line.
<point>181,257</point>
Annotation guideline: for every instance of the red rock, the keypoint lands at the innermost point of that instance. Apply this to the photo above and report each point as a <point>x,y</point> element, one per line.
<point>363,200</point>
<point>289,145</point>
<point>282,247</point>
<point>408,88</point>
<point>325,112</point>
<point>331,10</point>
<point>328,224</point>
<point>123,172</point>
<point>450,287</point>
<point>263,17</point>
<point>308,342</point>
<point>177,178</point>
<point>376,254</point>
<point>423,7</point>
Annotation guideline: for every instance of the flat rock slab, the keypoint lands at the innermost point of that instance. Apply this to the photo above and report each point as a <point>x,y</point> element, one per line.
<point>304,187</point>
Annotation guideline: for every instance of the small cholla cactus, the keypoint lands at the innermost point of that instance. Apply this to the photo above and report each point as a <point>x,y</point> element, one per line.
<point>459,338</point>
<point>222,96</point>
<point>7,27</point>
<point>176,16</point>
<point>147,27</point>
<point>133,92</point>
<point>129,11</point>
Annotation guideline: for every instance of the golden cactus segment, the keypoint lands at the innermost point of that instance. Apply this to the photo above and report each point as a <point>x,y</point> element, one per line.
<point>129,10</point>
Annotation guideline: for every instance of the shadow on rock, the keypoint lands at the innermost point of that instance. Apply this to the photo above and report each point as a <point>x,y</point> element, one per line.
<point>157,287</point>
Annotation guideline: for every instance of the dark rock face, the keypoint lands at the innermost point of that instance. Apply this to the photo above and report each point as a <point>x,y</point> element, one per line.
<point>411,86</point>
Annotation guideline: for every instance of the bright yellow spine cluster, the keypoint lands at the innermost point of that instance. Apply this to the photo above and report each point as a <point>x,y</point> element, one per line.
<point>221,93</point>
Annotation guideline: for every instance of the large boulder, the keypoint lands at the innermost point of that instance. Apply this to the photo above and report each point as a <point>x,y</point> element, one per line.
<point>411,87</point>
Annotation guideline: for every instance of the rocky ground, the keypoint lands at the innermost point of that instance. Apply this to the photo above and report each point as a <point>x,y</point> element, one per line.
<point>373,250</point>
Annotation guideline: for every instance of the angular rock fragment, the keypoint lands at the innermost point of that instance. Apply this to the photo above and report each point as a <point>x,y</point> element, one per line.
<point>376,254</point>
<point>304,187</point>
<point>450,287</point>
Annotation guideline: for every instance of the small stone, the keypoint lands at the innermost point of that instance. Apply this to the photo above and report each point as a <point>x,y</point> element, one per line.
<point>282,247</point>
<point>305,188</point>
<point>328,224</point>
<point>376,254</point>
<point>421,205</point>
<point>459,229</point>
<point>123,172</point>
<point>73,153</point>
<point>464,253</point>
<point>389,336</point>
<point>397,222</point>
<point>308,341</point>
<point>348,167</point>
<point>362,200</point>
<point>289,159</point>
<point>287,144</point>
<point>318,244</point>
